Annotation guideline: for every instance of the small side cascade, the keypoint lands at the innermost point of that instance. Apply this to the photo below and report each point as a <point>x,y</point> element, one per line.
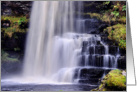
<point>95,60</point>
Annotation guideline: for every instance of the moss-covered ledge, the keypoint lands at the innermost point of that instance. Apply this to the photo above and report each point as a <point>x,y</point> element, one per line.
<point>117,33</point>
<point>115,80</point>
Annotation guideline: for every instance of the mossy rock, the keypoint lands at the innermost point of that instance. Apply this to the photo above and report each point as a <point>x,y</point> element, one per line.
<point>17,24</point>
<point>117,33</point>
<point>5,57</point>
<point>113,81</point>
<point>122,20</point>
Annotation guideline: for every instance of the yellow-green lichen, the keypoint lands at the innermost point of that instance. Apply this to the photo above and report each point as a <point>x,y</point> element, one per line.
<point>15,23</point>
<point>117,33</point>
<point>113,81</point>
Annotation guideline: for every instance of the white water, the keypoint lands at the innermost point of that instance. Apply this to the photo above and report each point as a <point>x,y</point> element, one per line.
<point>54,45</point>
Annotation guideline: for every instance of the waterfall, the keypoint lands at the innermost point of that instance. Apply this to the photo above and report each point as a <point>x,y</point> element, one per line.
<point>58,49</point>
<point>52,46</point>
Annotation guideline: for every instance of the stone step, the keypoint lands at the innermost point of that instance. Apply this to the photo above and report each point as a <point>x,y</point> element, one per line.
<point>89,73</point>
<point>91,60</point>
<point>100,49</point>
<point>97,60</point>
<point>121,62</point>
<point>94,81</point>
<point>90,25</point>
<point>97,49</point>
<point>93,76</point>
<point>113,50</point>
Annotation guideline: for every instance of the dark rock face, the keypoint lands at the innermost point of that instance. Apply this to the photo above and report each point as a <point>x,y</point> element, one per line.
<point>24,25</point>
<point>113,50</point>
<point>103,26</point>
<point>5,23</point>
<point>95,54</point>
<point>122,62</point>
<point>14,42</point>
<point>16,8</point>
<point>91,25</point>
<point>94,26</point>
<point>90,75</point>
<point>92,6</point>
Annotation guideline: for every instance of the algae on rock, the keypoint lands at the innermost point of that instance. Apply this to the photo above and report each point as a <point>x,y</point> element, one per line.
<point>114,80</point>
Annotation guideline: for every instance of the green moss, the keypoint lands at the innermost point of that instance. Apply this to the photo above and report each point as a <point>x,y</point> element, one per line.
<point>122,20</point>
<point>5,57</point>
<point>116,79</point>
<point>15,23</point>
<point>103,17</point>
<point>92,15</point>
<point>14,19</point>
<point>117,33</point>
<point>113,81</point>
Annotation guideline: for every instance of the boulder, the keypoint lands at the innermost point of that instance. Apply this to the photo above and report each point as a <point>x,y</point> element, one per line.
<point>113,81</point>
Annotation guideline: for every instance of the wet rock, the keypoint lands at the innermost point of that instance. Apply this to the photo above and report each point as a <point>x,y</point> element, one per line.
<point>103,26</point>
<point>18,41</point>
<point>99,49</point>
<point>85,43</point>
<point>89,75</point>
<point>86,16</point>
<point>113,50</point>
<point>122,62</point>
<point>16,8</point>
<point>91,25</point>
<point>93,31</point>
<point>24,25</point>
<point>5,23</point>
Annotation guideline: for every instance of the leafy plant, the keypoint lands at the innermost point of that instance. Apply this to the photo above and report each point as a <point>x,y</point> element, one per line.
<point>107,3</point>
<point>124,8</point>
<point>115,7</point>
<point>5,57</point>
<point>122,43</point>
<point>115,13</point>
<point>22,19</point>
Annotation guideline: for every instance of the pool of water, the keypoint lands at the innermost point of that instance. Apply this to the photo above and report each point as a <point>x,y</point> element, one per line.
<point>46,87</point>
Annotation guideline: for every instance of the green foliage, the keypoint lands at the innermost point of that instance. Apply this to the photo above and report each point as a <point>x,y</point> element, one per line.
<point>15,19</point>
<point>122,20</point>
<point>124,8</point>
<point>117,33</point>
<point>106,3</point>
<point>5,57</point>
<point>16,49</point>
<point>22,19</point>
<point>122,43</point>
<point>115,7</point>
<point>14,27</point>
<point>115,13</point>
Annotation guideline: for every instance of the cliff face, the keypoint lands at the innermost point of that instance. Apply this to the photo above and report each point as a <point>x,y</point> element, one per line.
<point>16,8</point>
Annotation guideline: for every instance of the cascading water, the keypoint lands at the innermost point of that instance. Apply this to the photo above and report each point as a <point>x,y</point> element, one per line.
<point>66,50</point>
<point>58,48</point>
<point>52,45</point>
